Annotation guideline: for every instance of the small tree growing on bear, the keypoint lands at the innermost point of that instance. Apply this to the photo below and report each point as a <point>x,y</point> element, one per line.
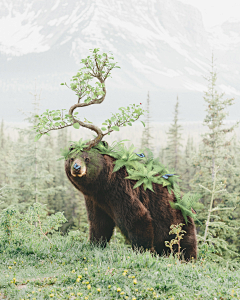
<point>99,67</point>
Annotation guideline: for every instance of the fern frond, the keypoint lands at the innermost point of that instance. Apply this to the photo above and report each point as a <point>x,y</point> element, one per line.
<point>185,204</point>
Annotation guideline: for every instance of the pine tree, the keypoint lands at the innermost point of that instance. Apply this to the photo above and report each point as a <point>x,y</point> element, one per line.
<point>173,154</point>
<point>27,178</point>
<point>2,153</point>
<point>146,136</point>
<point>187,171</point>
<point>2,137</point>
<point>214,158</point>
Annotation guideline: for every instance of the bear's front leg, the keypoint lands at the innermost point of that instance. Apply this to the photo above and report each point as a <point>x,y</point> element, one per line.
<point>135,220</point>
<point>101,225</point>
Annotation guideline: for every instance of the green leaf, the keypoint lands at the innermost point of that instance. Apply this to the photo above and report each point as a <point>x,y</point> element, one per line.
<point>138,183</point>
<point>37,137</point>
<point>76,125</point>
<point>130,124</point>
<point>143,123</point>
<point>115,128</point>
<point>103,128</point>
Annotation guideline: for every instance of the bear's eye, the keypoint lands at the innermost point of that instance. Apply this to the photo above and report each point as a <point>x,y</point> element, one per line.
<point>87,159</point>
<point>71,159</point>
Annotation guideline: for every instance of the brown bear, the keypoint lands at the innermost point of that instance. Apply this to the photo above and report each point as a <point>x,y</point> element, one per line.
<point>144,217</point>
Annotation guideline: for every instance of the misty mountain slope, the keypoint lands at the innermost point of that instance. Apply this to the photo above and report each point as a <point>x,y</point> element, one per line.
<point>161,46</point>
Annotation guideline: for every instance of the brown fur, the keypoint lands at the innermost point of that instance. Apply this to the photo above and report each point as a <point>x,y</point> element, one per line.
<point>143,217</point>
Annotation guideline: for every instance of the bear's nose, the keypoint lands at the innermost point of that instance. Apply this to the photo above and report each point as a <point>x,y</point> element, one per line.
<point>77,167</point>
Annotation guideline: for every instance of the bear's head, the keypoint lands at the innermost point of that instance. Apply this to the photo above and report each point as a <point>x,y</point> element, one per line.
<point>86,169</point>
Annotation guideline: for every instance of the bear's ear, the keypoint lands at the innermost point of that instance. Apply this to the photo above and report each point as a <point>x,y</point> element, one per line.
<point>105,144</point>
<point>71,147</point>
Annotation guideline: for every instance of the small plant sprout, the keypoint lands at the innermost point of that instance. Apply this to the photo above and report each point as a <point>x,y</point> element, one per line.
<point>176,229</point>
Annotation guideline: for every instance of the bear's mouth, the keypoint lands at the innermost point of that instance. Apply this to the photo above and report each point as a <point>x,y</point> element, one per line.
<point>81,173</point>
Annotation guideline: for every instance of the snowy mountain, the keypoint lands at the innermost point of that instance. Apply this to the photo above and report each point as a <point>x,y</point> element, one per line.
<point>161,46</point>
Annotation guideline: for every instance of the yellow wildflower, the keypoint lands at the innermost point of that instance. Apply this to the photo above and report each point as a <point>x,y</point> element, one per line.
<point>10,267</point>
<point>78,279</point>
<point>122,293</point>
<point>73,271</point>
<point>80,276</point>
<point>14,262</point>
<point>71,294</point>
<point>51,295</point>
<point>89,286</point>
<point>85,269</point>
<point>39,290</point>
<point>135,281</point>
<point>109,286</point>
<point>79,294</point>
<point>99,290</point>
<point>118,290</point>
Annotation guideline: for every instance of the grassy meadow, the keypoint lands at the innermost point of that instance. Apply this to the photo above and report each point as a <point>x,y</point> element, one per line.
<point>73,269</point>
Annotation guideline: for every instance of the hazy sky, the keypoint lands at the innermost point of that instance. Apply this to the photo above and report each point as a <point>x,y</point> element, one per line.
<point>215,12</point>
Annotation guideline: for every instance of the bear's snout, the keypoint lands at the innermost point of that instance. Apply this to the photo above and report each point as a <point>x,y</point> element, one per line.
<point>78,168</point>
